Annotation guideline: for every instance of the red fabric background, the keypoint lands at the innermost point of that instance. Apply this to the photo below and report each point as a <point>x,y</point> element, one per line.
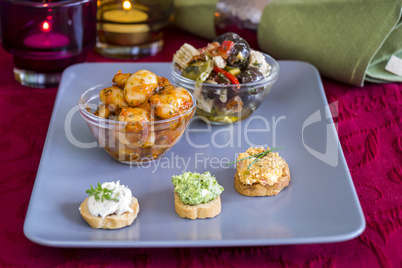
<point>370,134</point>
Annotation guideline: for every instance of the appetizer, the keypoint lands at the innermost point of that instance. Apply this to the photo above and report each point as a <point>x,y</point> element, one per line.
<point>227,60</point>
<point>197,196</point>
<point>231,79</point>
<point>109,206</point>
<point>136,105</point>
<point>142,97</point>
<point>261,172</point>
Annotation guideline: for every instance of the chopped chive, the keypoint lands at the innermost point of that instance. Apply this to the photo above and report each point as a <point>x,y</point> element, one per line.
<point>258,156</point>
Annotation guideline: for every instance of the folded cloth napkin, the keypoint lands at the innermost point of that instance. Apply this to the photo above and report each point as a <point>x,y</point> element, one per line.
<point>347,40</point>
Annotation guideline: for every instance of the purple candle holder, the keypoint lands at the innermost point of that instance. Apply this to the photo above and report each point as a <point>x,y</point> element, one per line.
<point>45,37</point>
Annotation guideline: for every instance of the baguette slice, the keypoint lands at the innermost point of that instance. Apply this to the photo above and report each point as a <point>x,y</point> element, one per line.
<point>110,221</point>
<point>202,211</point>
<point>257,189</point>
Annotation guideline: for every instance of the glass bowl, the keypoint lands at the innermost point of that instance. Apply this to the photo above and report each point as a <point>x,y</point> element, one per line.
<point>220,104</point>
<point>128,142</point>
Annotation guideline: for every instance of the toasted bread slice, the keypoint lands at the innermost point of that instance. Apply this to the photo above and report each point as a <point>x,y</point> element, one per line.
<point>257,189</point>
<point>202,211</point>
<point>110,221</point>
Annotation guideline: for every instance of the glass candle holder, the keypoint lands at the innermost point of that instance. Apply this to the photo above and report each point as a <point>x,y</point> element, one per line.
<point>45,37</point>
<point>130,29</point>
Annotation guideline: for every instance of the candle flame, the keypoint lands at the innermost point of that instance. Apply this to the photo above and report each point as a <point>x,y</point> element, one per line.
<point>126,5</point>
<point>46,26</point>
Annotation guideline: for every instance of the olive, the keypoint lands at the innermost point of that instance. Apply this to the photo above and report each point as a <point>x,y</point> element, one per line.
<point>226,36</point>
<point>211,93</point>
<point>250,75</point>
<point>240,54</point>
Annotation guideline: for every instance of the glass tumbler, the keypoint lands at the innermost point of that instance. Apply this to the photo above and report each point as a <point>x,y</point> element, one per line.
<point>45,37</point>
<point>129,29</point>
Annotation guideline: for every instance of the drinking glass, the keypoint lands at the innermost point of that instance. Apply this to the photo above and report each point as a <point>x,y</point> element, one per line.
<point>45,37</point>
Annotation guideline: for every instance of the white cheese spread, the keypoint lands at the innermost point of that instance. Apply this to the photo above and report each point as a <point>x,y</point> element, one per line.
<point>99,208</point>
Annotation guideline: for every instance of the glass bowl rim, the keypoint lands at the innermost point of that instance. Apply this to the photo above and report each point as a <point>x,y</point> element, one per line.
<point>243,87</point>
<point>83,100</point>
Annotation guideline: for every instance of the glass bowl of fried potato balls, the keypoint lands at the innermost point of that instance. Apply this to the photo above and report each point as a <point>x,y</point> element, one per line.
<point>228,78</point>
<point>138,116</point>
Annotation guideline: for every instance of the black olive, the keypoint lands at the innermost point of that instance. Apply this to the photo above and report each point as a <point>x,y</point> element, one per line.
<point>236,59</point>
<point>250,75</point>
<point>240,46</point>
<point>211,94</point>
<point>226,36</point>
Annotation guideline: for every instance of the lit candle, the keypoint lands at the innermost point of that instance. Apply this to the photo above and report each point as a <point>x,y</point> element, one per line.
<point>125,15</point>
<point>46,39</point>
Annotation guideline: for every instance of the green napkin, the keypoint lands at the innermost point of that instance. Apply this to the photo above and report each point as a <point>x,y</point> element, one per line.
<point>196,16</point>
<point>347,40</point>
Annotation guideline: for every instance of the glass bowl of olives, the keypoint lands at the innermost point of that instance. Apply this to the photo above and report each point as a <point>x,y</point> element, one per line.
<point>228,79</point>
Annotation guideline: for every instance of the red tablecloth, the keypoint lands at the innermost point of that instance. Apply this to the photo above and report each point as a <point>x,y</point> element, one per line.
<point>369,130</point>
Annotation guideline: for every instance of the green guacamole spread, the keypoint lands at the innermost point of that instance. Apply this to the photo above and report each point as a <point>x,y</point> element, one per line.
<point>195,188</point>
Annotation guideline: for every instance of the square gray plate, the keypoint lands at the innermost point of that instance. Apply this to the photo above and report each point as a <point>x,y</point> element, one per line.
<point>319,206</point>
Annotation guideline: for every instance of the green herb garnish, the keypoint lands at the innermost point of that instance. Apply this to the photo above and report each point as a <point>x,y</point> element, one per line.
<point>223,78</point>
<point>104,192</point>
<point>258,156</point>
